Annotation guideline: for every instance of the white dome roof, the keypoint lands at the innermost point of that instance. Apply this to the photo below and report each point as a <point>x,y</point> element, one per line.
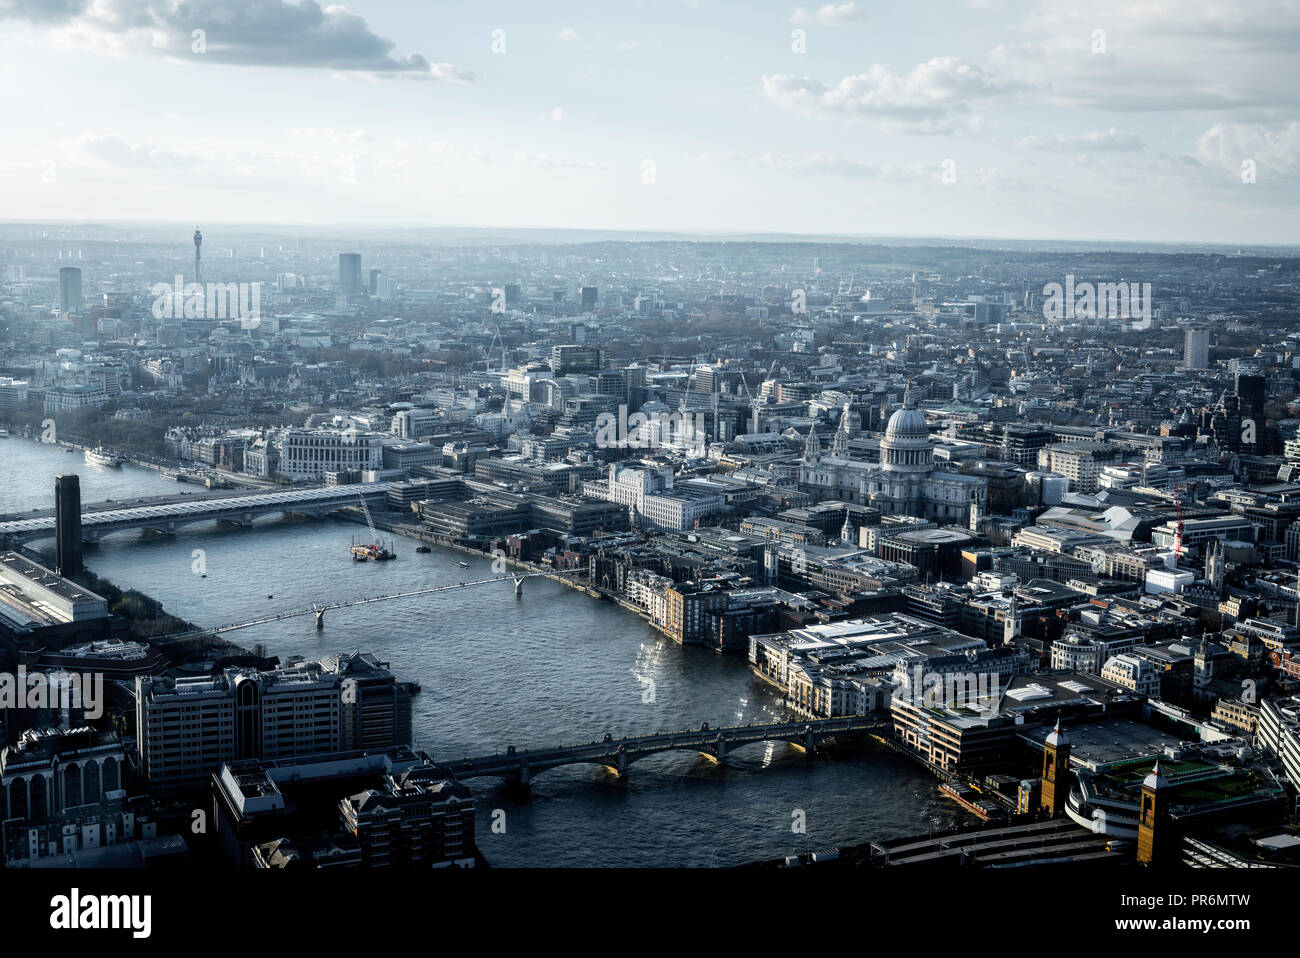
<point>907,423</point>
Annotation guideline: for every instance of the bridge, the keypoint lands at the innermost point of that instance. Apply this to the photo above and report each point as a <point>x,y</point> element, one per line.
<point>169,516</point>
<point>618,754</point>
<point>319,610</point>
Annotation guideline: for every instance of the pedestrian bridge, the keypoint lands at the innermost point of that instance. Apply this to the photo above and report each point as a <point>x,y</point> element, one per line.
<point>170,516</point>
<point>618,754</point>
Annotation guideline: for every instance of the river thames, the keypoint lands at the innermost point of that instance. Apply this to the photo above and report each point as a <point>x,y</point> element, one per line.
<point>552,667</point>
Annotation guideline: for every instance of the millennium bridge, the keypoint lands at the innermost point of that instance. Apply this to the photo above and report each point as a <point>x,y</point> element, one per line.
<point>167,517</point>
<point>319,609</point>
<point>617,754</point>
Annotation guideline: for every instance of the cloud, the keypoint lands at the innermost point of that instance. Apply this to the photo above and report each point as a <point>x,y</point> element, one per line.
<point>109,150</point>
<point>558,114</point>
<point>568,35</point>
<point>266,33</point>
<point>827,13</point>
<point>1097,141</point>
<point>545,161</point>
<point>1189,55</point>
<point>1275,149</point>
<point>932,98</point>
<point>832,165</point>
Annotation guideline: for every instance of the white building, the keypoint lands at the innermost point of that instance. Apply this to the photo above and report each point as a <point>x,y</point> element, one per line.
<point>649,492</point>
<point>311,453</point>
<point>1133,673</point>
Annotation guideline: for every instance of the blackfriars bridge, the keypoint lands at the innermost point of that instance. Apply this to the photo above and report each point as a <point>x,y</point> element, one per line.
<point>618,754</point>
<point>169,516</point>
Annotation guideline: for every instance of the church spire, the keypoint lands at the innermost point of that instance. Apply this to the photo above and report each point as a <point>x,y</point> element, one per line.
<point>840,445</point>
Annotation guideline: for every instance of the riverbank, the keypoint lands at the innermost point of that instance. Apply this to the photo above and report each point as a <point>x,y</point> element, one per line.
<point>148,619</point>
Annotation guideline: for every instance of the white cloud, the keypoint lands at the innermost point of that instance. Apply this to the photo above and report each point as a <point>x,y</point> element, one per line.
<point>1097,141</point>
<point>1275,148</point>
<point>1184,55</point>
<point>932,97</point>
<point>827,13</point>
<point>545,161</point>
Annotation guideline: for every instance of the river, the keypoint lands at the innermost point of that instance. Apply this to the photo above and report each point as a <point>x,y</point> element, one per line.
<point>552,667</point>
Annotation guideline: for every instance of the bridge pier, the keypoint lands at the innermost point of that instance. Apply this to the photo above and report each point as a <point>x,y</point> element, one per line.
<point>519,586</point>
<point>320,619</point>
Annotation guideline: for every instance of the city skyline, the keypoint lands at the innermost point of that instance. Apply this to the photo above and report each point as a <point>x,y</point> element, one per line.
<point>1014,121</point>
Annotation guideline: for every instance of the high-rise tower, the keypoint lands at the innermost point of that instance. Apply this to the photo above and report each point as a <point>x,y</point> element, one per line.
<point>67,525</point>
<point>350,274</point>
<point>198,244</point>
<point>70,298</point>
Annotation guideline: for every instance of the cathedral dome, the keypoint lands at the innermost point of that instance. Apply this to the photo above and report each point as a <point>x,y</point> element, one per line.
<point>906,446</point>
<point>907,423</point>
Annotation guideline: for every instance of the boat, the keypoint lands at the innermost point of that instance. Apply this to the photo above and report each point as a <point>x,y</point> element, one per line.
<point>99,456</point>
<point>463,565</point>
<point>173,475</point>
<point>423,549</point>
<point>372,552</point>
<point>375,550</point>
<point>4,433</point>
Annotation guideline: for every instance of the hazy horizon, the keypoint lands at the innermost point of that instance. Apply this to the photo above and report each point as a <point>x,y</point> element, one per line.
<point>997,119</point>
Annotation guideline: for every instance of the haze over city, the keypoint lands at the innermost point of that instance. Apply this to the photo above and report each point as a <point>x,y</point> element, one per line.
<point>1056,120</point>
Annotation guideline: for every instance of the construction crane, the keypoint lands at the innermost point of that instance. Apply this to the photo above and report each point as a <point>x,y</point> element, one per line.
<point>374,550</point>
<point>1178,535</point>
<point>753,403</point>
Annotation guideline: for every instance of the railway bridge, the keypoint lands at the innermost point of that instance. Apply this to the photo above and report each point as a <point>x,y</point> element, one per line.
<point>618,754</point>
<point>167,517</point>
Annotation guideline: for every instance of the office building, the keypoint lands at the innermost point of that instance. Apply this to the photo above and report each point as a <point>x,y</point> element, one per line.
<point>1196,349</point>
<point>70,299</point>
<point>188,727</point>
<point>350,274</point>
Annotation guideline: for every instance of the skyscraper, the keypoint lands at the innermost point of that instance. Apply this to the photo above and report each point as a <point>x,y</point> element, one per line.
<point>350,274</point>
<point>1196,349</point>
<point>198,243</point>
<point>70,300</point>
<point>1252,391</point>
<point>67,525</point>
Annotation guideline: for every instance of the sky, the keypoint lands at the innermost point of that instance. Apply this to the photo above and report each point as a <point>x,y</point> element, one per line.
<point>1138,120</point>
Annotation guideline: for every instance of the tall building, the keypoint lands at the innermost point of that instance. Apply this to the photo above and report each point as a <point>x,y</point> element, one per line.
<point>372,281</point>
<point>350,274</point>
<point>1251,391</point>
<point>70,299</point>
<point>1196,348</point>
<point>1056,772</point>
<point>198,265</point>
<point>67,525</point>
